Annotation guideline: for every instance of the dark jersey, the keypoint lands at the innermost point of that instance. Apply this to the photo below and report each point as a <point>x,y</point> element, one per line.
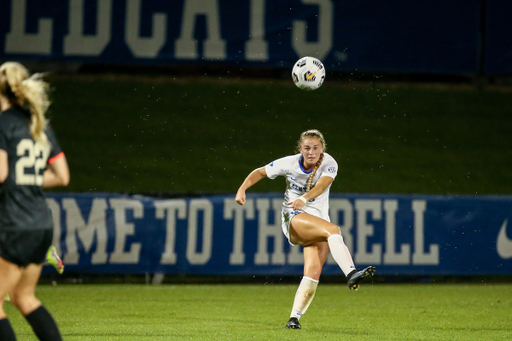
<point>22,202</point>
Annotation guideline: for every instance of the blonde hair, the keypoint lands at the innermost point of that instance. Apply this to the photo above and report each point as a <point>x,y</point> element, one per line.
<point>29,92</point>
<point>313,133</point>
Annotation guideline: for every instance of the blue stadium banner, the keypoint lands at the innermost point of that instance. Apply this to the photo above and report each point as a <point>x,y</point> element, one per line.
<point>213,235</point>
<point>434,36</point>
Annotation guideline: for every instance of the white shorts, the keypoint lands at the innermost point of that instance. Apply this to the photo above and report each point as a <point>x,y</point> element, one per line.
<point>287,213</point>
<point>286,217</point>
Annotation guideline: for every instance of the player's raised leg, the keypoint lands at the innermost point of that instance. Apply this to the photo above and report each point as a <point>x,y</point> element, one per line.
<point>306,229</point>
<point>341,255</point>
<point>52,257</point>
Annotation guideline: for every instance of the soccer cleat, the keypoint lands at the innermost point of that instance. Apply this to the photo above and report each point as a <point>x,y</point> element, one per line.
<point>293,323</point>
<point>356,276</point>
<point>53,258</point>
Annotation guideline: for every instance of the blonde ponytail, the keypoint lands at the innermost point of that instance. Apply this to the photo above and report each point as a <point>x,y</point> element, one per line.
<point>312,175</point>
<point>29,92</point>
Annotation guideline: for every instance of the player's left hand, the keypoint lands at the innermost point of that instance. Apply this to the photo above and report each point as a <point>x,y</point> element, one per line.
<point>297,204</point>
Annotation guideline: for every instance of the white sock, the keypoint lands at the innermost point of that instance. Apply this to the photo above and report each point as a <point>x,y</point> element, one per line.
<point>340,253</point>
<point>303,296</point>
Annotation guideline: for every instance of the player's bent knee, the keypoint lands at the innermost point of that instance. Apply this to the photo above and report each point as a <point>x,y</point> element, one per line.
<point>333,229</point>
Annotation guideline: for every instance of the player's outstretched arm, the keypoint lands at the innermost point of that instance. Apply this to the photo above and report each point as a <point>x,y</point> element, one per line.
<point>57,173</point>
<point>255,176</point>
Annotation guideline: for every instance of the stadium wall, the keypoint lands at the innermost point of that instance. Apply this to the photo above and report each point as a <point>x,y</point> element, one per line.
<point>455,37</point>
<point>212,235</point>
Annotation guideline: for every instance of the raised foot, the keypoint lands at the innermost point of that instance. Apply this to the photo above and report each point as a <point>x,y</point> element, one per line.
<point>358,276</point>
<point>53,258</point>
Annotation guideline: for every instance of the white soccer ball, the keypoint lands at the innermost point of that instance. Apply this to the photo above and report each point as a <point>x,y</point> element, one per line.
<point>308,73</point>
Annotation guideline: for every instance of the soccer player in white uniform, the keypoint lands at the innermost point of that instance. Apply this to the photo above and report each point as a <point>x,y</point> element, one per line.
<point>305,215</point>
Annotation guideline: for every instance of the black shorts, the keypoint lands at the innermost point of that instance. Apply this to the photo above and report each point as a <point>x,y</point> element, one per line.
<point>25,247</point>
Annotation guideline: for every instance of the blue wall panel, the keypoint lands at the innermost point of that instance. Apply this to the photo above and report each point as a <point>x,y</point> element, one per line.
<point>388,36</point>
<point>408,36</point>
<point>400,235</point>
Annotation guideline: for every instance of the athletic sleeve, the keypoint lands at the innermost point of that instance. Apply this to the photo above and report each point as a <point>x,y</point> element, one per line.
<point>56,152</point>
<point>277,167</point>
<point>329,168</point>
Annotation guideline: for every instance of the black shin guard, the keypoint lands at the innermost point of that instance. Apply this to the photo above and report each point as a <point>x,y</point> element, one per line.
<point>44,325</point>
<point>6,331</point>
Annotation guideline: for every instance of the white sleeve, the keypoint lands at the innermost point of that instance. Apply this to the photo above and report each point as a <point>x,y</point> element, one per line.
<point>276,168</point>
<point>329,168</point>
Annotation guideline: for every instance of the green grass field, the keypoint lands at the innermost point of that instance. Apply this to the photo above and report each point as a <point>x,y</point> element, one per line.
<point>143,134</point>
<point>259,312</point>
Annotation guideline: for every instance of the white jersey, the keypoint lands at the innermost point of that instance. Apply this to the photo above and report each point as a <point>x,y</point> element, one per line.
<point>296,185</point>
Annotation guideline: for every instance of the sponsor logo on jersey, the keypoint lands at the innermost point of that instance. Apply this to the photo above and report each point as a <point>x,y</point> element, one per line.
<point>332,169</point>
<point>298,188</point>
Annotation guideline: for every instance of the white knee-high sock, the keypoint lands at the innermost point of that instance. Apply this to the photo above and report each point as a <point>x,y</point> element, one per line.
<point>340,253</point>
<point>303,296</point>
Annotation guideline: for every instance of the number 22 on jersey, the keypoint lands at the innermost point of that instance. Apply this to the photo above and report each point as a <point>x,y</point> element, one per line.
<point>32,159</point>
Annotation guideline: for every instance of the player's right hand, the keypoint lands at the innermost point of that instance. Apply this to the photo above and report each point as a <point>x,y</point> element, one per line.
<point>240,197</point>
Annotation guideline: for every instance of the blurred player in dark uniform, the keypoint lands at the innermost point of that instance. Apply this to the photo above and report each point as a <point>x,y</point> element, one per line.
<point>30,159</point>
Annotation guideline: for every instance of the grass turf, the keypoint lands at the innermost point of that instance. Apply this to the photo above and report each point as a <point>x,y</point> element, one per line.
<point>259,312</point>
<point>142,134</point>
